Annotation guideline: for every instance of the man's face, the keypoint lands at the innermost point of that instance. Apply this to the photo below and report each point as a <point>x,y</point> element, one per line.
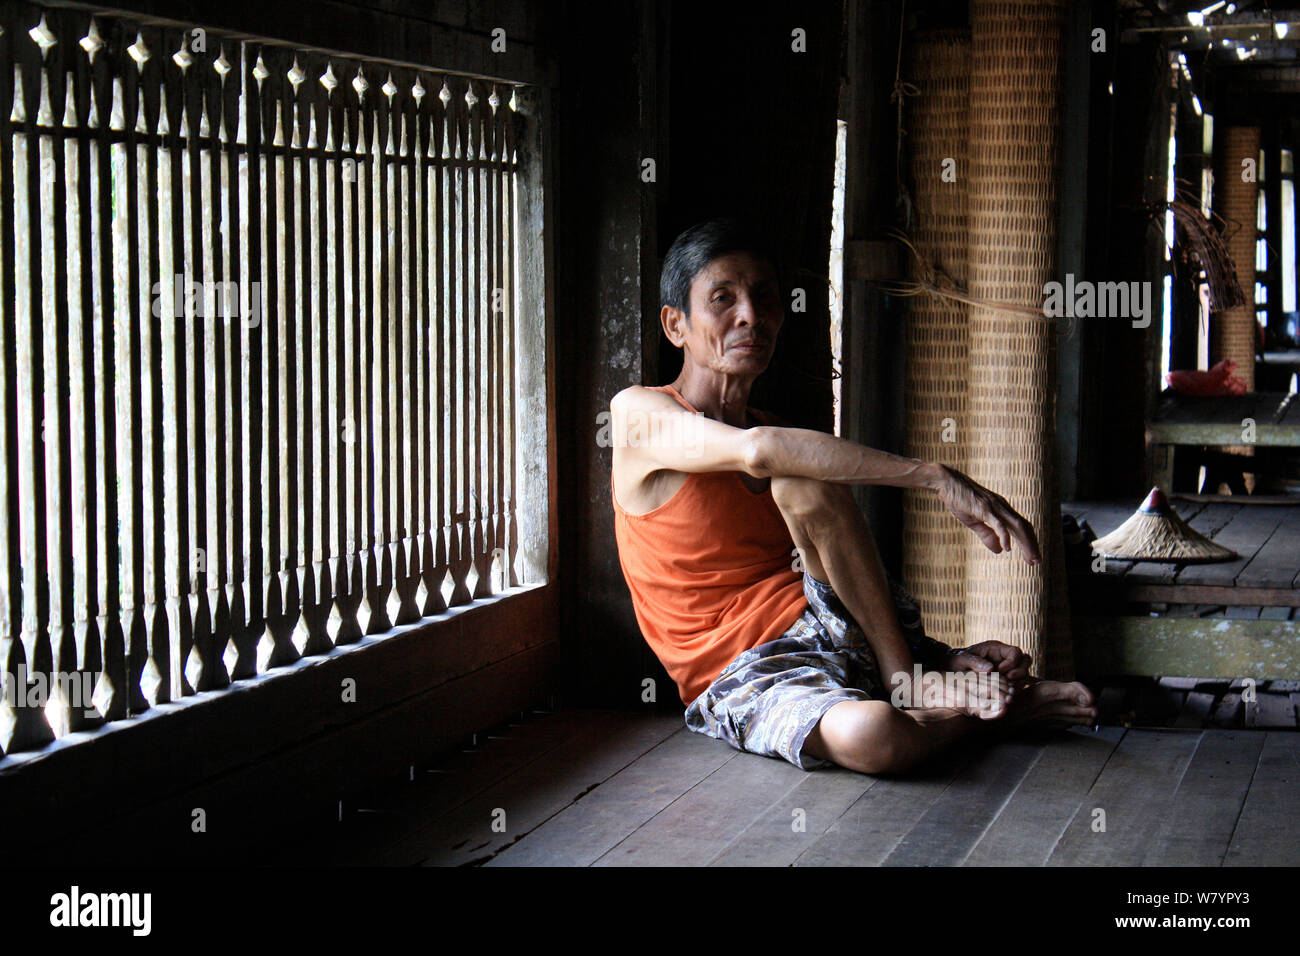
<point>735,315</point>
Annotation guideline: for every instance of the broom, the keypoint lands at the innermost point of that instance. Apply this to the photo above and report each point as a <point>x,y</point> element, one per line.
<point>1156,533</point>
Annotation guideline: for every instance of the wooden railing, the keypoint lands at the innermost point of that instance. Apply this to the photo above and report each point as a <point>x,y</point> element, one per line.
<point>266,359</point>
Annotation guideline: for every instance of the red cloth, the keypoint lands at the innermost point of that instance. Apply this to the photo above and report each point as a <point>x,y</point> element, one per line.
<point>1216,381</point>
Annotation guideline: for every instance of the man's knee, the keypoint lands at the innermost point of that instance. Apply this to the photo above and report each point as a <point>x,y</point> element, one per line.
<point>869,737</point>
<point>807,497</point>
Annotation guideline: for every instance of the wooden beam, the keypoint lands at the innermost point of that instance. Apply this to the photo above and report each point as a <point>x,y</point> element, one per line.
<point>1207,594</point>
<point>1201,647</point>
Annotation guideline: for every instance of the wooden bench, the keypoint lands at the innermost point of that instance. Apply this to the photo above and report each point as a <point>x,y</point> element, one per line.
<point>1217,422</point>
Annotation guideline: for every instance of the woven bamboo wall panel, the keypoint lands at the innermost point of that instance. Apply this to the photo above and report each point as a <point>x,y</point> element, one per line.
<point>938,333</point>
<point>1232,331</point>
<point>1014,135</point>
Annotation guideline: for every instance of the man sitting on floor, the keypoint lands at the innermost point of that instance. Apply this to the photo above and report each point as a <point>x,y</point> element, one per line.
<point>716,505</point>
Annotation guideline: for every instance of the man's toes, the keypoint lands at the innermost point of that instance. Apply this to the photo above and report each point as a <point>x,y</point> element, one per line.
<point>1072,713</point>
<point>1074,692</point>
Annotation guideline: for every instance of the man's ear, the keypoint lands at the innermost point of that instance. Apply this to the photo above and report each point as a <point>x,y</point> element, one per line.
<point>672,320</point>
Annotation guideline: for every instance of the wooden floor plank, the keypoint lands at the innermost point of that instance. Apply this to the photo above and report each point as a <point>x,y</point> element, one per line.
<point>870,829</point>
<point>1274,565</point>
<point>532,794</point>
<point>1102,516</point>
<point>1196,711</point>
<point>1270,711</point>
<point>587,829</point>
<point>949,830</point>
<point>699,825</point>
<point>1032,821</point>
<point>1135,790</point>
<point>1246,533</point>
<point>788,827</point>
<point>1200,821</point>
<point>1227,713</point>
<point>389,817</point>
<point>1267,832</point>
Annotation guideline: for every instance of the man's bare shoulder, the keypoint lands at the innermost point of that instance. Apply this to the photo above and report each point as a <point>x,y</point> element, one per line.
<point>641,396</point>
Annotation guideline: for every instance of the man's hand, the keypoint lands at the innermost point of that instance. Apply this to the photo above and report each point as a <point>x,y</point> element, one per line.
<point>987,514</point>
<point>1011,662</point>
<point>987,697</point>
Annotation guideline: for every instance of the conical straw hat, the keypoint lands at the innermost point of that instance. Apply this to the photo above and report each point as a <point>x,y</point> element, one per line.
<point>1156,533</point>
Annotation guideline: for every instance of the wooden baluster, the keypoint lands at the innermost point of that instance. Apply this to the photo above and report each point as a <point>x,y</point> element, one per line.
<point>472,346</point>
<point>64,682</point>
<point>442,282</point>
<point>371,616</point>
<point>365,574</point>
<point>480,308</point>
<point>340,621</point>
<point>230,647</point>
<point>171,238</point>
<point>426,596</point>
<point>414,340</point>
<point>188,614</point>
<point>388,449</point>
<point>461,394</point>
<point>256,352</point>
<point>496,307</point>
<point>310,636</point>
<point>404,322</point>
<point>511,437</point>
<point>11,654</point>
<point>298,275</point>
<point>191,630</point>
<point>199,666</point>
<point>342,625</point>
<point>323,432</point>
<point>218,330</point>
<point>116,692</point>
<point>275,649</point>
<point>434,561</point>
<point>126,345</point>
<point>413,321</point>
<point>80,376</point>
<point>222,329</point>
<point>246,625</point>
<point>29,729</point>
<point>141,75</point>
<point>417,241</point>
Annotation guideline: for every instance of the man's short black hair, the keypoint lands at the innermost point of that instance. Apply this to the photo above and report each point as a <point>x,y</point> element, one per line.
<point>699,245</point>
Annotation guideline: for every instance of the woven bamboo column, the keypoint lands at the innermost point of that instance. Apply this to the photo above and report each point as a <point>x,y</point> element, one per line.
<point>938,333</point>
<point>1016,54</point>
<point>1232,331</point>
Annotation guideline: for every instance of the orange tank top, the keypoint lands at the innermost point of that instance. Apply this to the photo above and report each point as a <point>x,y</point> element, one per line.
<point>711,573</point>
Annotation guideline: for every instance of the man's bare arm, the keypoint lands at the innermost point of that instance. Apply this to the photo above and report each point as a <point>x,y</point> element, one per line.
<point>813,454</point>
<point>654,431</point>
<point>805,453</point>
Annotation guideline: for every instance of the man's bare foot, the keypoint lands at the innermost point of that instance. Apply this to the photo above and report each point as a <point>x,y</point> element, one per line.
<point>1049,703</point>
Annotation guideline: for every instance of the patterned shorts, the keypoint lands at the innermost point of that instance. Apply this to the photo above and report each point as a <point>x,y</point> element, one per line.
<point>768,700</point>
